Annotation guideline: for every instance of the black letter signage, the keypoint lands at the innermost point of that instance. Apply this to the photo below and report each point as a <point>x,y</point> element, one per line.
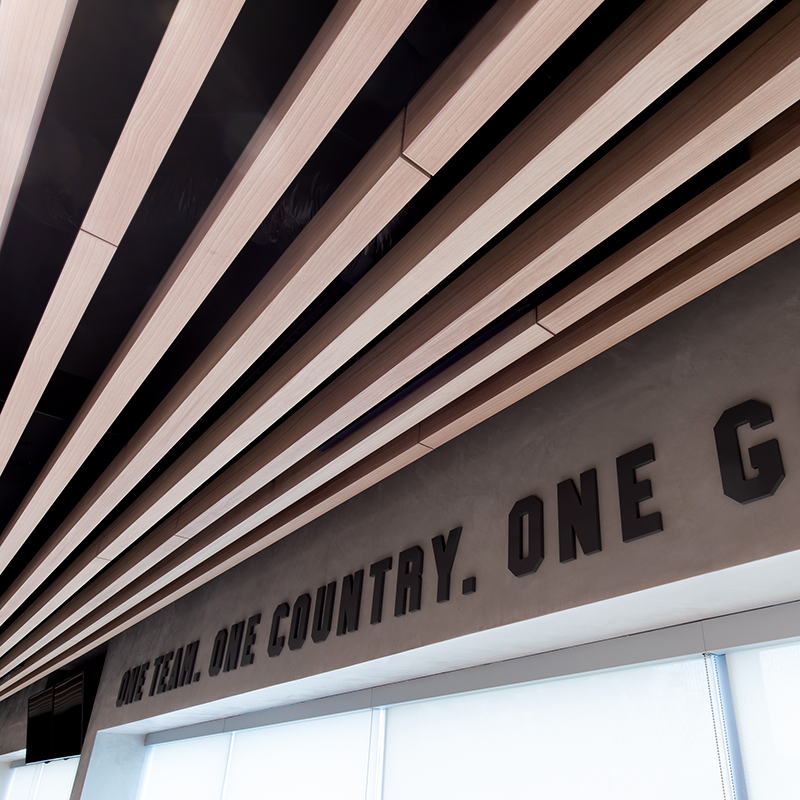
<point>531,510</point>
<point>409,581</point>
<point>350,603</point>
<point>764,457</point>
<point>633,492</point>
<point>378,571</point>
<point>276,642</point>
<point>578,517</point>
<point>323,613</point>
<point>444,552</point>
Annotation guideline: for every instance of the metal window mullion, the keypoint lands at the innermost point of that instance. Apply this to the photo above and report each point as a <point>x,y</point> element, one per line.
<point>725,728</point>
<point>377,746</point>
<point>224,793</point>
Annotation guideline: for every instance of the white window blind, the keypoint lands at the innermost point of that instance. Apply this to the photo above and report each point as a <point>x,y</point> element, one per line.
<point>766,696</point>
<point>632,733</point>
<point>50,781</point>
<point>24,782</point>
<point>57,779</point>
<point>191,768</point>
<point>324,757</point>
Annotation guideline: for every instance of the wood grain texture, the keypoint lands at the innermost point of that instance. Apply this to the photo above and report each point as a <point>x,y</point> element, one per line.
<point>311,473</point>
<point>351,44</point>
<point>645,55</point>
<point>512,41</point>
<point>684,137</point>
<point>379,186</point>
<point>32,36</point>
<point>194,36</point>
<point>85,265</point>
<point>310,261</point>
<point>278,481</point>
<point>382,183</point>
<point>770,168</point>
<point>760,233</point>
<point>773,165</point>
<point>414,266</point>
<point>388,460</point>
<point>376,190</point>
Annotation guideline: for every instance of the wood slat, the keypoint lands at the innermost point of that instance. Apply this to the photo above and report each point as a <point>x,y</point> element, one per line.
<point>85,265</point>
<point>317,469</point>
<point>387,461</point>
<point>751,239</point>
<point>362,206</point>
<point>774,163</point>
<point>658,157</point>
<point>513,40</point>
<point>32,36</point>
<point>377,190</point>
<point>351,44</point>
<point>747,241</point>
<point>193,37</point>
<point>668,31</point>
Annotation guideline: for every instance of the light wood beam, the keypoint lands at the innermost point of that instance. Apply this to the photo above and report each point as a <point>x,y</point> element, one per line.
<point>512,41</point>
<point>759,234</point>
<point>195,33</point>
<point>32,36</point>
<point>388,460</point>
<point>737,247</point>
<point>774,164</point>
<point>377,190</point>
<point>659,156</point>
<point>308,475</point>
<point>180,481</point>
<point>351,44</point>
<point>365,202</point>
<point>754,237</point>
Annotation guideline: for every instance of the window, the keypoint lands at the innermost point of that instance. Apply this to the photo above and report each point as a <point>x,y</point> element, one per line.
<point>323,757</point>
<point>646,731</point>
<point>766,697</point>
<point>50,781</point>
<point>631,733</point>
<point>190,768</point>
